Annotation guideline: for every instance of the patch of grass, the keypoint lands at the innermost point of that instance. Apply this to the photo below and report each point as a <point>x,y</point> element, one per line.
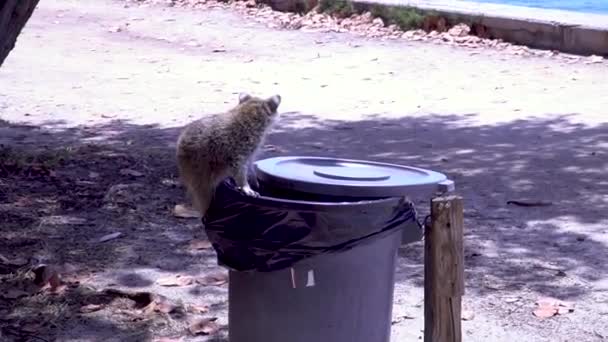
<point>406,18</point>
<point>338,8</point>
<point>30,163</point>
<point>23,157</point>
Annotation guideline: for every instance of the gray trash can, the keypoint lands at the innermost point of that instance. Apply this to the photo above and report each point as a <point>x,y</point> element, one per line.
<point>333,281</point>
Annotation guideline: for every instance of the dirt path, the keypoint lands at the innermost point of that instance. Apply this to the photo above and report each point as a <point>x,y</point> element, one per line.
<point>93,108</point>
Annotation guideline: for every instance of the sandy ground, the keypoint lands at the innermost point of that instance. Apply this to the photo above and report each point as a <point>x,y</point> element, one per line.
<point>83,100</point>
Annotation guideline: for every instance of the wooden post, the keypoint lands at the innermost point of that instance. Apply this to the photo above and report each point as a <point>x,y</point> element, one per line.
<point>444,270</point>
<point>14,14</point>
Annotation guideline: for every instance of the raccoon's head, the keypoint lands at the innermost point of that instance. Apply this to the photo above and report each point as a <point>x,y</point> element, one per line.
<point>268,106</point>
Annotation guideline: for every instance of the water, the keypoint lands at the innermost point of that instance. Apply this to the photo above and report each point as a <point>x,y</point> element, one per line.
<point>588,6</point>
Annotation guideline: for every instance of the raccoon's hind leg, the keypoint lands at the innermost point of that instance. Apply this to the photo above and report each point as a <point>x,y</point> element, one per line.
<point>240,177</point>
<point>252,176</point>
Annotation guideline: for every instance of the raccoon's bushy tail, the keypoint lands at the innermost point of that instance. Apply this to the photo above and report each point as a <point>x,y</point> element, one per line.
<point>199,184</point>
<point>201,190</point>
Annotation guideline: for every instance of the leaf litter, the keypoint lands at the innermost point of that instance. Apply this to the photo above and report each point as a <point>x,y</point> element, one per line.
<point>182,211</point>
<point>217,279</point>
<point>204,326</point>
<point>547,307</point>
<point>109,237</point>
<point>176,280</point>
<point>179,280</point>
<point>200,244</point>
<point>50,296</point>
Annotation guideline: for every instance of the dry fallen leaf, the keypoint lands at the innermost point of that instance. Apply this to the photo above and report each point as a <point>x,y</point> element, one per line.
<point>161,304</point>
<point>165,306</point>
<point>129,172</point>
<point>549,307</point>
<point>175,280</point>
<point>594,59</point>
<point>204,326</point>
<point>200,244</point>
<point>511,299</point>
<point>213,279</point>
<point>109,237</point>
<point>545,311</point>
<point>198,309</point>
<point>182,211</point>
<point>467,315</point>
<point>547,301</point>
<point>90,308</point>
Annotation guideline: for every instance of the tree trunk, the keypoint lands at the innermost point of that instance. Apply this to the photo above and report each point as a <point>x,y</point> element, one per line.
<point>14,14</point>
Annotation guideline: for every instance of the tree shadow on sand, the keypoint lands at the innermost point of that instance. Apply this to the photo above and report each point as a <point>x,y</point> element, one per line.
<point>552,161</point>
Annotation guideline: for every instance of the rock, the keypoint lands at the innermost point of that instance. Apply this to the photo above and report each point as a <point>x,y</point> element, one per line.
<point>594,59</point>
<point>459,30</point>
<point>366,18</point>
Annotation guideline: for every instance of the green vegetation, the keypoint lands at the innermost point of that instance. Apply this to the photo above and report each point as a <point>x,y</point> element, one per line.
<point>40,162</point>
<point>338,8</point>
<point>406,18</point>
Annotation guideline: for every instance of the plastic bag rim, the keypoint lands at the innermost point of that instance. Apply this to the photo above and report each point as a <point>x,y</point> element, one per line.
<point>276,202</point>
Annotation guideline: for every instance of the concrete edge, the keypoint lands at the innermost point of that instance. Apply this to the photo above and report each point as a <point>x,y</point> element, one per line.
<point>535,33</point>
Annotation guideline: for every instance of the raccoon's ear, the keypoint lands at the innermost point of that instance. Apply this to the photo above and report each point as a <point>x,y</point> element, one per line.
<point>274,102</point>
<point>244,97</point>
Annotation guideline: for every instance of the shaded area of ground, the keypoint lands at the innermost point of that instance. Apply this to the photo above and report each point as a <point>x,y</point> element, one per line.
<point>556,250</point>
<point>61,194</point>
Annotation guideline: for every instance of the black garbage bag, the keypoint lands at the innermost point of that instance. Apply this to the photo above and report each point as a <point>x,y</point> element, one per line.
<point>268,234</point>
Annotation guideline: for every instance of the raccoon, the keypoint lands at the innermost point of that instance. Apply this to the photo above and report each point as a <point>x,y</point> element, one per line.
<point>224,145</point>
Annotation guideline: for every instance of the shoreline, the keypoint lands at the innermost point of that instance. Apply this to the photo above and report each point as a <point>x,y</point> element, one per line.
<point>548,29</point>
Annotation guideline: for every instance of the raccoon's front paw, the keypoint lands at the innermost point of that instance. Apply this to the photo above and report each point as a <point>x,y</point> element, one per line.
<point>247,190</point>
